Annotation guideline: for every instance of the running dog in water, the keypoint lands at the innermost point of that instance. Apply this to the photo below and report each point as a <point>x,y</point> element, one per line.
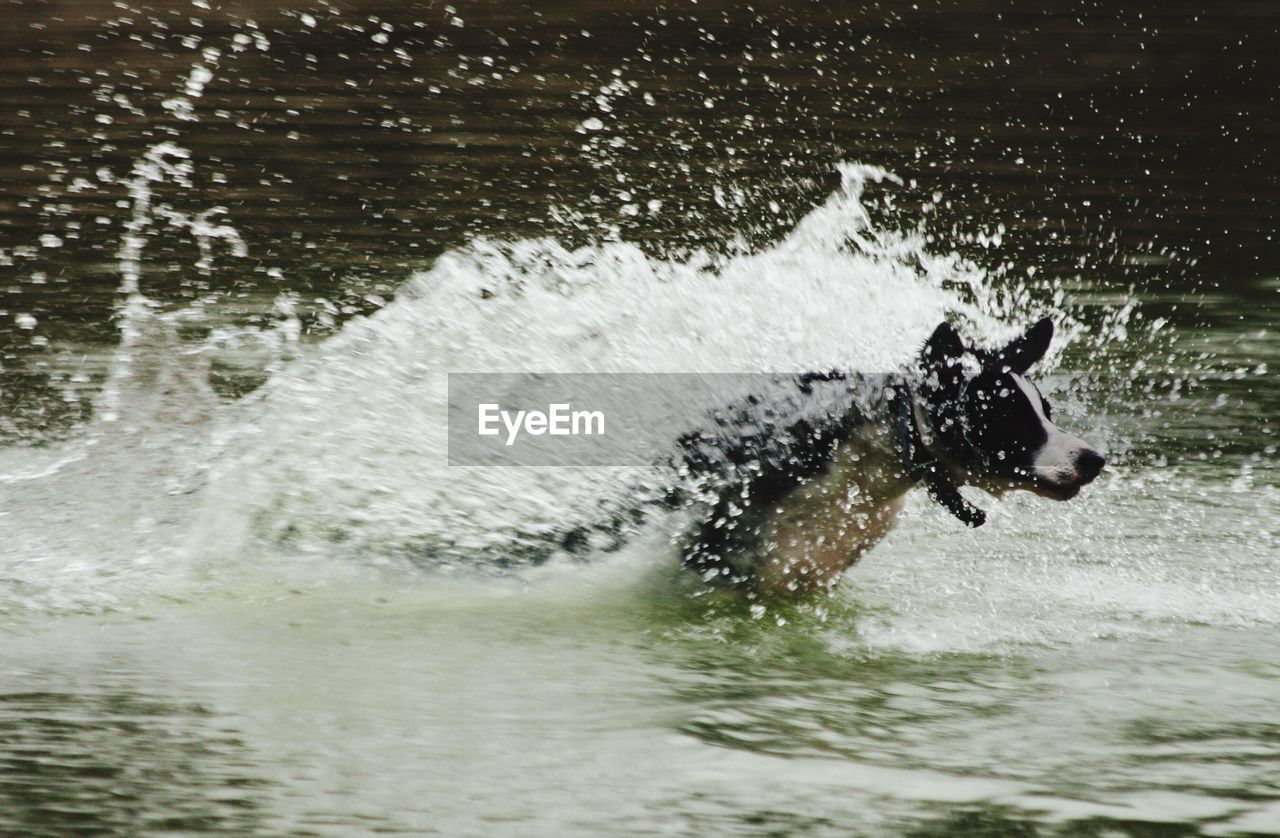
<point>793,502</point>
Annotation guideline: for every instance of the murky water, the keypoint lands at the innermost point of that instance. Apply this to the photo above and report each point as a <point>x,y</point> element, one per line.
<point>241,591</point>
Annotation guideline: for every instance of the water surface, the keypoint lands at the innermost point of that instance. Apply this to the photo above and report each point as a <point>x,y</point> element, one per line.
<point>240,591</point>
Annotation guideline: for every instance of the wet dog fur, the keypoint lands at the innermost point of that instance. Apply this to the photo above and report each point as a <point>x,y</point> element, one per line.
<point>790,503</point>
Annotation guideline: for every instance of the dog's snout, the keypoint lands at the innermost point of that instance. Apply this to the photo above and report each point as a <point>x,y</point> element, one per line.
<point>1088,464</point>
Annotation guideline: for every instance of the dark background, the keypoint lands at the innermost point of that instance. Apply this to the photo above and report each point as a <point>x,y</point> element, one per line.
<point>1114,144</point>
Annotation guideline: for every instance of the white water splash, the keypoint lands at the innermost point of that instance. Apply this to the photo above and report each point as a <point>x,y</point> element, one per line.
<point>87,520</point>
<point>160,163</point>
<point>349,452</point>
<point>338,464</point>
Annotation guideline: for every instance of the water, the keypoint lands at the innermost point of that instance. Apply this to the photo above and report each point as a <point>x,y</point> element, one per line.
<point>240,591</point>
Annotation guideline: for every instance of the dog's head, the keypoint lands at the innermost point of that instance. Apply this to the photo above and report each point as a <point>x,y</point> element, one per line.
<point>994,429</point>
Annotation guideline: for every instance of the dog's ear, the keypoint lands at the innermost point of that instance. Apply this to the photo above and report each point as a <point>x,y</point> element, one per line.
<point>940,357</point>
<point>1024,351</point>
<point>943,348</point>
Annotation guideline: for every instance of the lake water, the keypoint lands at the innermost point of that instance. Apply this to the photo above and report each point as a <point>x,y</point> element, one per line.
<point>241,591</point>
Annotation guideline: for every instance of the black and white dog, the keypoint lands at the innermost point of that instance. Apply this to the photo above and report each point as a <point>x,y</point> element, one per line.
<point>794,493</point>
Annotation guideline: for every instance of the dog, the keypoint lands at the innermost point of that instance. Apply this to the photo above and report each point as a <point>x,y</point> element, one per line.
<point>795,491</point>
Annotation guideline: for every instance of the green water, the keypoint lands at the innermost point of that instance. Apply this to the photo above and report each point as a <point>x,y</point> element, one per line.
<point>176,655</point>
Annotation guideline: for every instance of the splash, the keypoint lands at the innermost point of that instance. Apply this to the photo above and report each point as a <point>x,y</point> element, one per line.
<point>337,466</point>
<point>90,523</point>
<point>137,313</point>
<point>350,456</point>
